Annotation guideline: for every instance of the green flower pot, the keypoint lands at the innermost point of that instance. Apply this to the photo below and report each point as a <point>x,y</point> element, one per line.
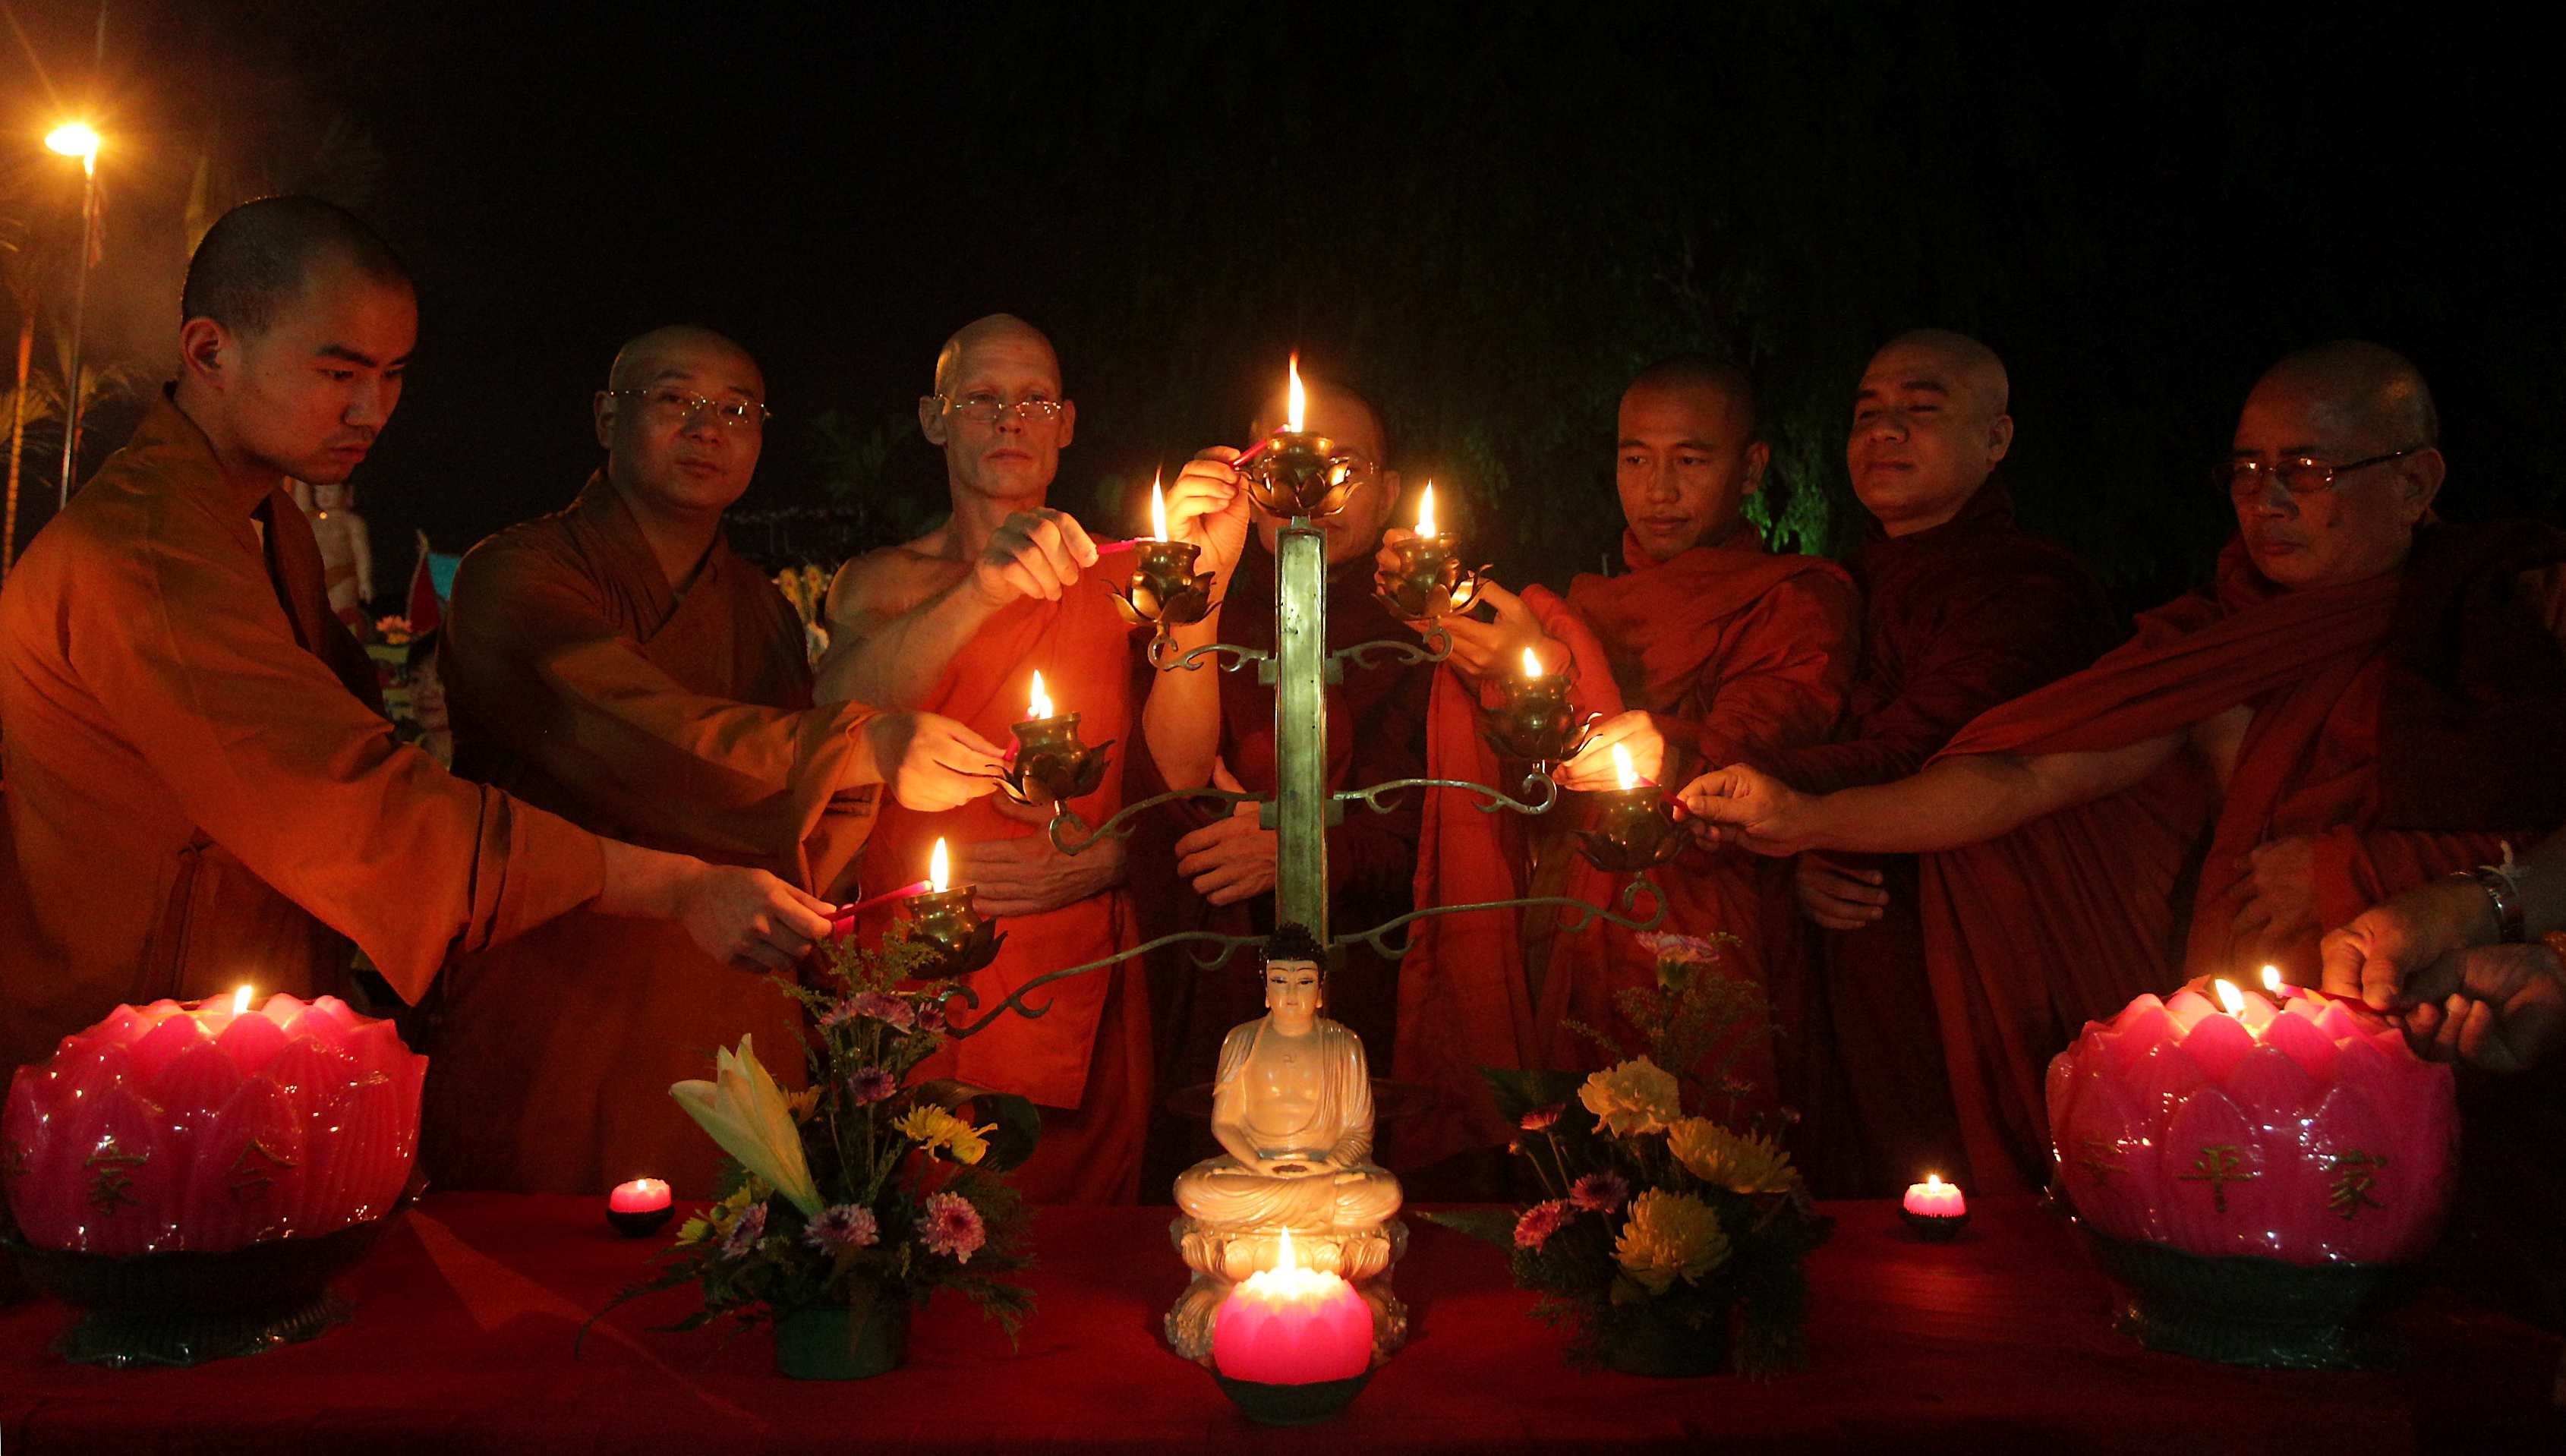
<point>1638,1341</point>
<point>2255,1312</point>
<point>842,1341</point>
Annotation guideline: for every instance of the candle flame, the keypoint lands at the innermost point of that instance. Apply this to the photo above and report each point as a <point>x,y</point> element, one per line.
<point>1042,700</point>
<point>1158,507</point>
<point>240,1002</point>
<point>1426,513</point>
<point>1532,664</point>
<point>1284,1263</point>
<point>1298,403</point>
<point>2272,979</point>
<point>2229,997</point>
<point>1932,1180</point>
<point>939,868</point>
<point>1622,766</point>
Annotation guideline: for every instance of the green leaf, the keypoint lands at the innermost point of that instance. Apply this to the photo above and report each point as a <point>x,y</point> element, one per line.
<point>1518,1092</point>
<point>1488,1225</point>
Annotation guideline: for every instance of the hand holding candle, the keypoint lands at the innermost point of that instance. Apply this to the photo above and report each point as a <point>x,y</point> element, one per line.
<point>1625,752</point>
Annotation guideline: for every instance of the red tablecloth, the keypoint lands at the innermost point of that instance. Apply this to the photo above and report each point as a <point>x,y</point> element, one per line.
<point>461,1342</point>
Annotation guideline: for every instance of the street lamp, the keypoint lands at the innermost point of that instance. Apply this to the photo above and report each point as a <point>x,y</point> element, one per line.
<point>74,138</point>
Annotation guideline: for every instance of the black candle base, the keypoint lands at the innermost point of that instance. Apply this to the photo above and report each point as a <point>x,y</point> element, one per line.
<point>641,1223</point>
<point>1293,1405</point>
<point>1935,1228</point>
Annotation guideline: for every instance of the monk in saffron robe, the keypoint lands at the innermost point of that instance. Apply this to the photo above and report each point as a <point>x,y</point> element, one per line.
<point>1709,648</point>
<point>1375,720</point>
<point>200,790</point>
<point>1963,609</point>
<point>2362,700</point>
<point>957,623</point>
<point>620,665</point>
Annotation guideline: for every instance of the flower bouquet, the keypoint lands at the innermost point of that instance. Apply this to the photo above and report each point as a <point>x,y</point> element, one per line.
<point>845,1206</point>
<point>1672,1243</point>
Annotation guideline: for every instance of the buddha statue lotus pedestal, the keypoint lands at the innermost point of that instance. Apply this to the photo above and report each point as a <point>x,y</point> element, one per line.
<point>1292,1104</point>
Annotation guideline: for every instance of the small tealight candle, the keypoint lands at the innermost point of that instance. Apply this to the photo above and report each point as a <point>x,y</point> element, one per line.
<point>639,1207</point>
<point>1934,1209</point>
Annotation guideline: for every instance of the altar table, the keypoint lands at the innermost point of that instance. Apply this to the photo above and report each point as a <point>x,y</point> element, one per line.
<point>2001,1341</point>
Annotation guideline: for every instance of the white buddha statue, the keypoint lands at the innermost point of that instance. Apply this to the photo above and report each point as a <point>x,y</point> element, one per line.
<point>1292,1103</point>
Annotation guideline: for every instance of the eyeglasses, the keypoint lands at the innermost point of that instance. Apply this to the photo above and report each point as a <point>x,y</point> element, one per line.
<point>2299,474</point>
<point>669,405</point>
<point>982,410</point>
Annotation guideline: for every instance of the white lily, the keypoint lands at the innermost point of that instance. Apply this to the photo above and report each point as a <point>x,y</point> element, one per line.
<point>746,1112</point>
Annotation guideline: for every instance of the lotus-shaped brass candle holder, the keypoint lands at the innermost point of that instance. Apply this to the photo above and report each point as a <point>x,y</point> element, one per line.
<point>1302,474</point>
<point>963,939</point>
<point>1635,829</point>
<point>1536,722</point>
<point>1050,765</point>
<point>1163,591</point>
<point>1429,581</point>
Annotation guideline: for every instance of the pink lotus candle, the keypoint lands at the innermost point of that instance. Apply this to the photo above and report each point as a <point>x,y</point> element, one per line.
<point>639,1206</point>
<point>2307,1133</point>
<point>1935,1198</point>
<point>211,1125</point>
<point>1290,1326</point>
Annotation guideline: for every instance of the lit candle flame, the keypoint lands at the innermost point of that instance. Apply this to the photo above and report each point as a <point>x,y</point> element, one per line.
<point>1622,766</point>
<point>1158,507</point>
<point>1426,513</point>
<point>1042,700</point>
<point>939,869</point>
<point>2272,979</point>
<point>240,1002</point>
<point>1532,664</point>
<point>1932,1180</point>
<point>2229,997</point>
<point>1298,405</point>
<point>1284,1263</point>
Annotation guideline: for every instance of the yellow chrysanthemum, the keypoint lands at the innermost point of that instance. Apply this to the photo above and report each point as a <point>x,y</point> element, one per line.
<point>934,1128</point>
<point>1634,1097</point>
<point>1671,1236</point>
<point>1731,1160</point>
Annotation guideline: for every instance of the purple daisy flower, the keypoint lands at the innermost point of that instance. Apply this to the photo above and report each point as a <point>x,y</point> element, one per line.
<point>867,1086</point>
<point>1541,1221</point>
<point>745,1231</point>
<point>951,1226</point>
<point>890,1009</point>
<point>1600,1192</point>
<point>842,1226</point>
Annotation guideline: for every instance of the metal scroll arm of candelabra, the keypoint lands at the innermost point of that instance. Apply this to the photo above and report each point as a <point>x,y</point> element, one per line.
<point>1227,947</point>
<point>1577,915</point>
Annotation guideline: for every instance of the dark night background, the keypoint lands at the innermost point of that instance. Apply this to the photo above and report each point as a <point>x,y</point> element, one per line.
<point>1485,216</point>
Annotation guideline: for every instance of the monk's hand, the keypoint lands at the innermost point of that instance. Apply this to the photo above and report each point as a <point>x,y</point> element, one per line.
<point>2280,908</point>
<point>1838,896</point>
<point>2371,959</point>
<point>1593,768</point>
<point>1027,875</point>
<point>930,762</point>
<point>1742,806</point>
<point>1206,508</point>
<point>1228,860</point>
<point>1036,554</point>
<point>1483,649</point>
<point>2500,1006</point>
<point>748,917</point>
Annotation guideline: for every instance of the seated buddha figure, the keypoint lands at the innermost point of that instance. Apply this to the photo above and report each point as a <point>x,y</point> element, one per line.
<point>1292,1103</point>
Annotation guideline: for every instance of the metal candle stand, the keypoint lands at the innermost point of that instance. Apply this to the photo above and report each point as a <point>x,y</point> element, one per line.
<point>1429,581</point>
<point>1163,591</point>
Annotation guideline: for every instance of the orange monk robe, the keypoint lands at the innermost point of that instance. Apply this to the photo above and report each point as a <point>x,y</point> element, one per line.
<point>580,682</point>
<point>199,790</point>
<point>1086,1060</point>
<point>1733,651</point>
<point>2407,724</point>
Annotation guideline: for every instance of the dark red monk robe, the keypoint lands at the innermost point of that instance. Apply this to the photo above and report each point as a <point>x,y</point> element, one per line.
<point>2065,920</point>
<point>1085,1060</point>
<point>677,719</point>
<point>1956,619</point>
<point>1733,651</point>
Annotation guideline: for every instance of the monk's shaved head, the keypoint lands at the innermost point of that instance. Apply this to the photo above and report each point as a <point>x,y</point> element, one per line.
<point>2378,390</point>
<point>1700,374</point>
<point>1976,373</point>
<point>679,347</point>
<point>261,257</point>
<point>996,328</point>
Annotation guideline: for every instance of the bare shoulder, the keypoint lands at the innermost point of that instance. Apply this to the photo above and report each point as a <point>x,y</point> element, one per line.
<point>884,582</point>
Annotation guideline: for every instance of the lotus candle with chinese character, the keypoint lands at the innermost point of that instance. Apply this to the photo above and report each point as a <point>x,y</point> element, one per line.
<point>2305,1132</point>
<point>211,1125</point>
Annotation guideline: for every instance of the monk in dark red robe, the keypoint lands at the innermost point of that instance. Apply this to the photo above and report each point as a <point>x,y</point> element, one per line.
<point>200,789</point>
<point>619,664</point>
<point>957,623</point>
<point>2362,700</point>
<point>1963,609</point>
<point>1709,649</point>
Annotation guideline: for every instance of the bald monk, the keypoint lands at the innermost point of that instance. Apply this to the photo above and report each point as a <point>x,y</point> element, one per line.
<point>200,790</point>
<point>620,665</point>
<point>1963,609</point>
<point>2364,699</point>
<point>1376,734</point>
<point>1707,650</point>
<point>957,623</point>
